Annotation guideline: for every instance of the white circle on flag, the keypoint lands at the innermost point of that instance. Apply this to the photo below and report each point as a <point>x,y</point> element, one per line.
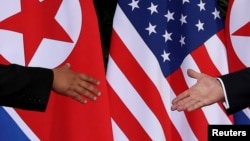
<point>239,17</point>
<point>50,53</point>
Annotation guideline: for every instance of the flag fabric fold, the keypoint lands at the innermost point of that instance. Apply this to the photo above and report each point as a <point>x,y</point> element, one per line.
<point>49,34</point>
<point>153,44</point>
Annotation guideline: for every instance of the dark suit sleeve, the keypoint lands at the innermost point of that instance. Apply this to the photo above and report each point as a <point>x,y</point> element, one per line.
<point>25,87</point>
<point>237,86</point>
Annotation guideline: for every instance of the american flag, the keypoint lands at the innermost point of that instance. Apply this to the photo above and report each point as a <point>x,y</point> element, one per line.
<point>237,30</point>
<point>153,44</point>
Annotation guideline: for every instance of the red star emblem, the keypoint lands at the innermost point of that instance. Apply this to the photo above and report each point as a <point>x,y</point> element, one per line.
<point>243,31</point>
<point>36,21</point>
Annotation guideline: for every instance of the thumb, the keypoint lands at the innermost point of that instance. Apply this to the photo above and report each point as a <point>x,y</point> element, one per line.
<point>194,74</point>
<point>67,66</point>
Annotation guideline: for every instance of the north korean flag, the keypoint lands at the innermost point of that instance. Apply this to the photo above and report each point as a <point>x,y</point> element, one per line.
<point>50,33</point>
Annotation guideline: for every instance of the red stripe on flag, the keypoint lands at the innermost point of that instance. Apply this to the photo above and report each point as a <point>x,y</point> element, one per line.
<point>203,60</point>
<point>3,60</point>
<point>221,36</point>
<point>126,120</point>
<point>178,87</point>
<point>192,117</point>
<point>207,66</point>
<point>143,84</point>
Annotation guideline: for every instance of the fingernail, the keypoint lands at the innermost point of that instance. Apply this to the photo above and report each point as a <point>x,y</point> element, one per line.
<point>99,94</point>
<point>98,82</point>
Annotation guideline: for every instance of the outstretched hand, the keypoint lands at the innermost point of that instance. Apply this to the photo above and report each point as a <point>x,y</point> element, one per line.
<point>206,91</point>
<point>75,85</point>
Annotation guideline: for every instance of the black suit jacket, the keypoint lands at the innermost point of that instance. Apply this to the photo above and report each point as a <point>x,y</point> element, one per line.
<point>25,87</point>
<point>237,86</point>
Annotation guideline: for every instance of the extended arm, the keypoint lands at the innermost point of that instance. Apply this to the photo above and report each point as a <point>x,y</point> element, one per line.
<point>30,87</point>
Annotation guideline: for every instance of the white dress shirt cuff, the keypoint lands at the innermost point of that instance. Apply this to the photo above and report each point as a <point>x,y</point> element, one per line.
<point>225,103</point>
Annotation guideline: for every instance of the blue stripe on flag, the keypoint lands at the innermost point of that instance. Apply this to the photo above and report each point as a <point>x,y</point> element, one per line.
<point>241,118</point>
<point>9,129</point>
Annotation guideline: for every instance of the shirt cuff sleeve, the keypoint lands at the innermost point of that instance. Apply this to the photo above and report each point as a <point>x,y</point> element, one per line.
<point>225,103</point>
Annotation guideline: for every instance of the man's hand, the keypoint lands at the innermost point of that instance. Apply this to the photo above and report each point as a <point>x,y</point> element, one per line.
<point>206,91</point>
<point>75,85</point>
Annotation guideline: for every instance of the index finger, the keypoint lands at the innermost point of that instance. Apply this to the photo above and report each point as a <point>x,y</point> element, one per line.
<point>180,97</point>
<point>89,79</point>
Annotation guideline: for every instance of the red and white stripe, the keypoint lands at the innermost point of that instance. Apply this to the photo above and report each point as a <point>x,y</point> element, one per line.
<point>141,96</point>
